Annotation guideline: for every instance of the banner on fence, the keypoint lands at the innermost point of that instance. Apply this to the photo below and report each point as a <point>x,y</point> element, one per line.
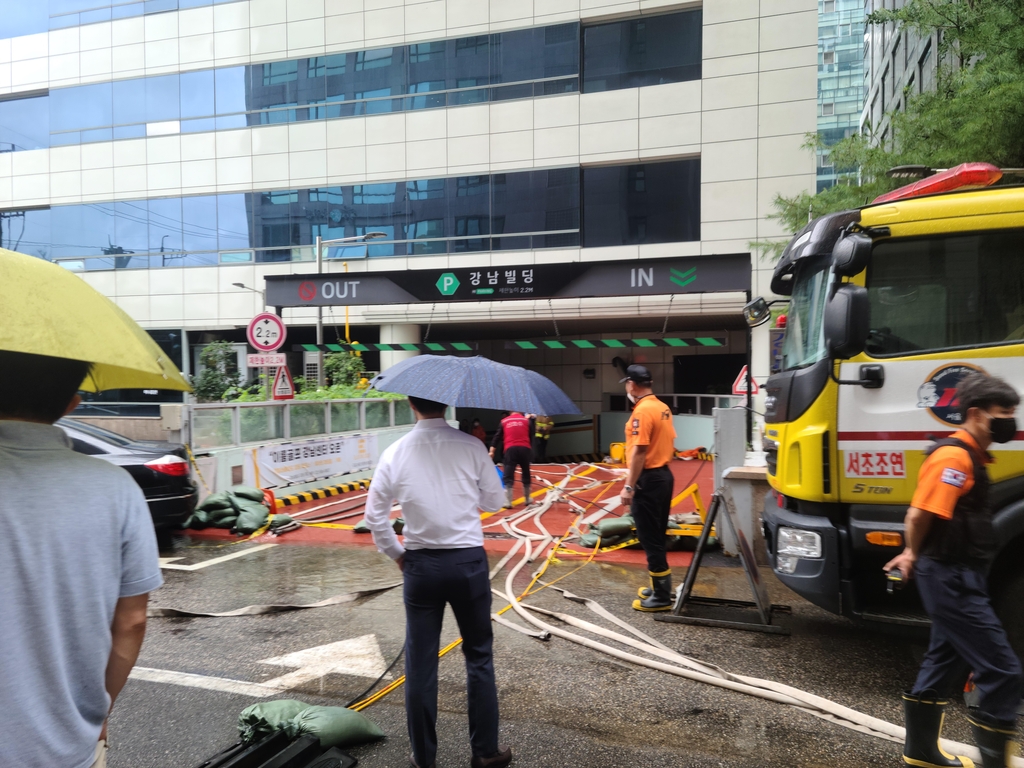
<point>281,464</point>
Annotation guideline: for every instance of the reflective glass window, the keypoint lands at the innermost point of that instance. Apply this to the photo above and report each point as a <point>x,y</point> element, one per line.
<point>521,200</point>
<point>382,57</point>
<point>27,232</point>
<point>645,203</point>
<point>162,98</point>
<point>129,101</point>
<point>165,225</point>
<point>230,90</point>
<point>279,72</point>
<point>197,94</point>
<point>84,106</point>
<point>24,124</point>
<point>234,222</point>
<point>24,18</point>
<point>640,52</point>
<point>199,223</point>
<point>534,54</point>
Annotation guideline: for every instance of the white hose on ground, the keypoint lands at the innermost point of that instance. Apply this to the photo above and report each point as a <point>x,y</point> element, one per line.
<point>694,669</point>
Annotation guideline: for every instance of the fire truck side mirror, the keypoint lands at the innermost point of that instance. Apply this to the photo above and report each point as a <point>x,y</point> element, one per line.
<point>851,254</point>
<point>847,321</point>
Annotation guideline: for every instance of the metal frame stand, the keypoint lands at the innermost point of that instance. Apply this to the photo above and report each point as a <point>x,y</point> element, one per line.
<point>685,598</point>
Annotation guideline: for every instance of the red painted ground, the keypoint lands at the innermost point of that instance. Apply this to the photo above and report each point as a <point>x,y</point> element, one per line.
<point>556,520</point>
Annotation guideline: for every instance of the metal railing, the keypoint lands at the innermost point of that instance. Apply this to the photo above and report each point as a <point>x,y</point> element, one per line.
<point>699,405</point>
<point>224,425</point>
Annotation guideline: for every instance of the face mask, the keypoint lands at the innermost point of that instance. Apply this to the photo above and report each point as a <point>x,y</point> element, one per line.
<point>1002,430</point>
<point>631,398</point>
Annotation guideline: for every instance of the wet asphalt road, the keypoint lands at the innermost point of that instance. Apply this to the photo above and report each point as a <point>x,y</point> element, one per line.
<point>561,704</point>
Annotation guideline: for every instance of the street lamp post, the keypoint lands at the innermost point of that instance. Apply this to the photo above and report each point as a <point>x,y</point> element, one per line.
<point>263,294</point>
<point>319,245</point>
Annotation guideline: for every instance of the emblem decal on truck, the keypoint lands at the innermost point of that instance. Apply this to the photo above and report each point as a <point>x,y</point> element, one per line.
<point>938,393</point>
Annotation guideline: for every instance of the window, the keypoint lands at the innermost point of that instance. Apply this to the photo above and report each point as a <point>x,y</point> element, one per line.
<point>280,72</point>
<point>828,6</point>
<point>471,185</point>
<point>804,342</point>
<point>648,203</point>
<point>280,198</point>
<point>946,292</point>
<point>472,46</point>
<point>374,59</point>
<point>425,189</point>
<point>24,124</point>
<point>629,54</point>
<point>828,57</point>
<point>828,109</point>
<point>423,52</point>
<point>373,194</point>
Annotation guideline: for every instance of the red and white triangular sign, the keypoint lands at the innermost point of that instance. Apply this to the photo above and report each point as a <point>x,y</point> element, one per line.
<point>739,387</point>
<point>284,387</point>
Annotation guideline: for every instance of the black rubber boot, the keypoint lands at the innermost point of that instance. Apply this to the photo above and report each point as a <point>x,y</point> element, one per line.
<point>661,594</point>
<point>924,715</point>
<point>994,738</point>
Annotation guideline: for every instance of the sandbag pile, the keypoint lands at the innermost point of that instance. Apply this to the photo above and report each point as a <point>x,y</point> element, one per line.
<point>334,726</point>
<point>241,508</point>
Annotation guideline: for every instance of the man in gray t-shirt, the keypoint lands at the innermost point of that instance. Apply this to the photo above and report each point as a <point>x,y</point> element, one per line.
<point>78,558</point>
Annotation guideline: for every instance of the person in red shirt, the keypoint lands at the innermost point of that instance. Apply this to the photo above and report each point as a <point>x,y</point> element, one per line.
<point>515,433</point>
<point>950,541</point>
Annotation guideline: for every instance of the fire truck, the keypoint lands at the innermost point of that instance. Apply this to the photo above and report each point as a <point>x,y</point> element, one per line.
<point>890,306</point>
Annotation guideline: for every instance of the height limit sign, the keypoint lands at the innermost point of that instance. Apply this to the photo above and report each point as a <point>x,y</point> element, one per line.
<point>266,332</point>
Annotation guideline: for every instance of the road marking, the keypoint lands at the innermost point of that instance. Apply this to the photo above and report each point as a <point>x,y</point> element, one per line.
<point>359,656</point>
<point>169,564</point>
<point>202,681</point>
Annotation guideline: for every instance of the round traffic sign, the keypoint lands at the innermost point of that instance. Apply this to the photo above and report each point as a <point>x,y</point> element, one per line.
<point>266,332</point>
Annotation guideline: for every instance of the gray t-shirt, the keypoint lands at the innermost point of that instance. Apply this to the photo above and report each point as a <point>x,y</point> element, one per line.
<point>77,535</point>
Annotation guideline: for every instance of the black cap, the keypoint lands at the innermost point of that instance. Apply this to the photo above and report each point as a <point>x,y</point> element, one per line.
<point>638,374</point>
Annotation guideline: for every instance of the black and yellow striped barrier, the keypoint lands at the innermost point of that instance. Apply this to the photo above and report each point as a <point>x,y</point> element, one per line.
<point>322,493</point>
<point>571,458</point>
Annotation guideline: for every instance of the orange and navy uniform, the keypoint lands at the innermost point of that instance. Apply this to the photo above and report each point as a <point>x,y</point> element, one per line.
<point>946,476</point>
<point>651,424</point>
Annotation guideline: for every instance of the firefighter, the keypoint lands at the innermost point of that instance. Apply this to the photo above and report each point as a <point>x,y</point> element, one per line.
<point>650,446</point>
<point>541,434</point>
<point>949,545</point>
<point>514,435</point>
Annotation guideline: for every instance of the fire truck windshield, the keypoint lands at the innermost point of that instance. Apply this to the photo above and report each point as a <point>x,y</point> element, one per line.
<point>804,343</point>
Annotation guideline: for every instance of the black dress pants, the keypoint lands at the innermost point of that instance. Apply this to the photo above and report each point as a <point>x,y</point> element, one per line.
<point>435,578</point>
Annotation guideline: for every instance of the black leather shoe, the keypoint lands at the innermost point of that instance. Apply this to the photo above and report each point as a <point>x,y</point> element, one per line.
<point>414,764</point>
<point>499,759</point>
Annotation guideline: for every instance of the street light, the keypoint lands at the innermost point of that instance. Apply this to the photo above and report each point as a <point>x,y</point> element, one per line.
<point>263,294</point>
<point>319,245</point>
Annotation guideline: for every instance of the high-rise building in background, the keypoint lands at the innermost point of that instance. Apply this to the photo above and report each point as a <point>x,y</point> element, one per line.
<point>898,64</point>
<point>841,84</point>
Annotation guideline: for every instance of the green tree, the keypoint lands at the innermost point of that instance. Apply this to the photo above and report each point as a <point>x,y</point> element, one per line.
<point>344,368</point>
<point>219,372</point>
<point>975,114</point>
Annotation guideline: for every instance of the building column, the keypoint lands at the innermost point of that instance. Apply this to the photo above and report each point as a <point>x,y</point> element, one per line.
<point>397,334</point>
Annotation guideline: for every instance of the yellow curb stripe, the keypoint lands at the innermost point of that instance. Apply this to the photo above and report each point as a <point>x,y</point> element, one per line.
<point>321,493</point>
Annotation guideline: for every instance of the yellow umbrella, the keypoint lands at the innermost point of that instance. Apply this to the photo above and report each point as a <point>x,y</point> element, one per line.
<point>46,310</point>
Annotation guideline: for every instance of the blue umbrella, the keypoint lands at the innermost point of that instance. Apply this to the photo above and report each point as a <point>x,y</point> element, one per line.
<point>475,382</point>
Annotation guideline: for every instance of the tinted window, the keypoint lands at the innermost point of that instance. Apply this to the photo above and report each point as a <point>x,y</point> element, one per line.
<point>946,292</point>
<point>648,51</point>
<point>24,124</point>
<point>646,203</point>
<point>24,19</point>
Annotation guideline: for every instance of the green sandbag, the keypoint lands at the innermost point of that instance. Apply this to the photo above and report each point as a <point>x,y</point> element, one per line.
<point>276,521</point>
<point>247,492</point>
<point>221,500</point>
<point>398,524</point>
<point>615,526</point>
<point>589,540</point>
<point>252,517</point>
<point>335,726</point>
<point>268,717</point>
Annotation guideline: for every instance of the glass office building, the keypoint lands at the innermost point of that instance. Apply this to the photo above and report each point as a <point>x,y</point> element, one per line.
<point>172,150</point>
<point>841,58</point>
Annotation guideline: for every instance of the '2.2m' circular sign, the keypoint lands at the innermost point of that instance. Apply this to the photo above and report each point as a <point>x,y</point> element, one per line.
<point>266,332</point>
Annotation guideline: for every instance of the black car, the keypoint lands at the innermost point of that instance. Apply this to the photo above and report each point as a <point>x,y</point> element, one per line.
<point>160,469</point>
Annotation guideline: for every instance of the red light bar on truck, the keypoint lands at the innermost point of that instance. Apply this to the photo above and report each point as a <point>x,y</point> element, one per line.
<point>964,176</point>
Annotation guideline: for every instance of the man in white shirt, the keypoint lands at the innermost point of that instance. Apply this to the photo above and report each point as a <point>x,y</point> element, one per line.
<point>441,477</point>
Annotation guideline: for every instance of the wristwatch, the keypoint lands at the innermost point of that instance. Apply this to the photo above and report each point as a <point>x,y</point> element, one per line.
<point>628,488</point>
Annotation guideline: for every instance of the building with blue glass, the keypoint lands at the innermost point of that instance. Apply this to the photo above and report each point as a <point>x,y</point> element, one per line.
<point>176,153</point>
<point>841,81</point>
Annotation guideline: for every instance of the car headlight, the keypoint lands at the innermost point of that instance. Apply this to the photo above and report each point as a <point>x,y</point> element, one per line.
<point>798,543</point>
<point>786,563</point>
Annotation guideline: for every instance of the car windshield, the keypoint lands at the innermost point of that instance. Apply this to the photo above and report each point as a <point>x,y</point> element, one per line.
<point>804,343</point>
<point>946,292</point>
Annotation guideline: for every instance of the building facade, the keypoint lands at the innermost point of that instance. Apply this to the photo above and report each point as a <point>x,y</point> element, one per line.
<point>841,57</point>
<point>175,153</point>
<point>898,64</point>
